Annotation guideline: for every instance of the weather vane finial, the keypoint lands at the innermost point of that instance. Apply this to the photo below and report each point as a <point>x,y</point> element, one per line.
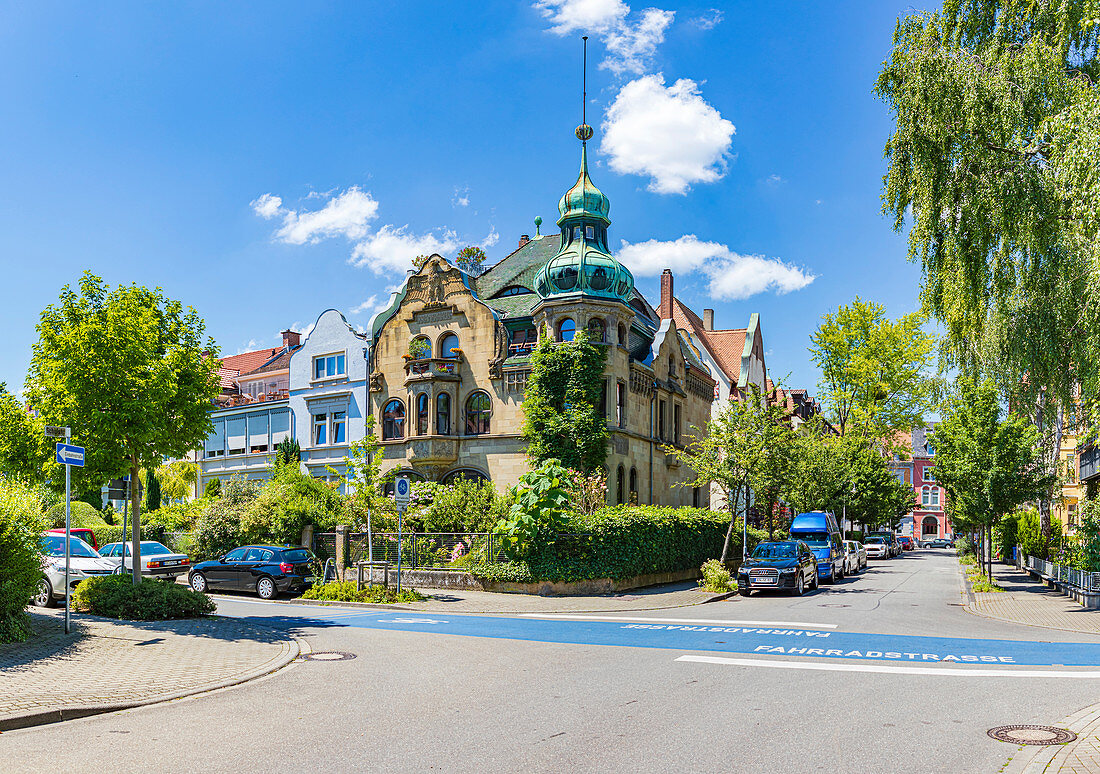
<point>584,131</point>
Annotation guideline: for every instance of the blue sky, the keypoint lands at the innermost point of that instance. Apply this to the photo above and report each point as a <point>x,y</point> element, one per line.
<point>264,162</point>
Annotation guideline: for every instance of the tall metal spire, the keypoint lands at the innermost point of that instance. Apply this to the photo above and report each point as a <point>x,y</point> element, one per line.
<point>584,131</point>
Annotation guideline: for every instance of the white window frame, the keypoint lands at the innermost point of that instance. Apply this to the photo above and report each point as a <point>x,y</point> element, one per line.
<point>324,357</point>
<point>320,422</point>
<point>333,422</point>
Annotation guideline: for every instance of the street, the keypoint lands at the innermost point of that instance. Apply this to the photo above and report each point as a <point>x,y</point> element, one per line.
<point>493,693</point>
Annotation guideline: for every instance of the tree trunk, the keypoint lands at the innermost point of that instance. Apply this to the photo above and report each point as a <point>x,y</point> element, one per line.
<point>135,510</point>
<point>733,520</point>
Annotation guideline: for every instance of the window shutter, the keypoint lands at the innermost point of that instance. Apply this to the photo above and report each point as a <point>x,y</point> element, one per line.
<point>234,433</point>
<point>257,429</point>
<point>280,426</point>
<point>215,442</point>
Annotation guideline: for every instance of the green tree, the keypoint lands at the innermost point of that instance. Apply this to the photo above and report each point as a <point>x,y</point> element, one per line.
<point>177,480</point>
<point>21,524</point>
<point>366,480</point>
<point>561,407</point>
<point>287,452</point>
<point>993,165</point>
<point>130,371</point>
<point>471,260</point>
<point>874,371</point>
<point>23,448</point>
<point>988,465</point>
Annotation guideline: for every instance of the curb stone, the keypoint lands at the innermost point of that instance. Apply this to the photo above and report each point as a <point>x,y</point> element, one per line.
<point>292,650</point>
<point>1048,760</point>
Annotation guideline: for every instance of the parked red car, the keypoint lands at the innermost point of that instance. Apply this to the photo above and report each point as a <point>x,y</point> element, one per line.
<point>84,533</point>
<point>906,542</point>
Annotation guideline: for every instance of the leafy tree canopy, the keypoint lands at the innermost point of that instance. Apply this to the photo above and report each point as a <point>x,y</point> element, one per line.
<point>874,371</point>
<point>23,448</point>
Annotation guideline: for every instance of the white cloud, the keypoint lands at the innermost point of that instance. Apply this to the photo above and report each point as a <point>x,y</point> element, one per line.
<point>297,328</point>
<point>346,214</point>
<point>631,47</point>
<point>774,180</point>
<point>668,133</point>
<point>461,197</point>
<point>367,306</point>
<point>393,248</point>
<point>491,238</point>
<point>568,16</point>
<point>709,20</point>
<point>731,275</point>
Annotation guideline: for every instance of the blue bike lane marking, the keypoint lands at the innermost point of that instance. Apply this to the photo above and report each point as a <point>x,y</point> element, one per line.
<point>763,640</point>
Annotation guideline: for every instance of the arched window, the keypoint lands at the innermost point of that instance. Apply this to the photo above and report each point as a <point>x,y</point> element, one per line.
<point>478,410</point>
<point>469,474</point>
<point>420,347</point>
<point>389,485</point>
<point>443,413</point>
<point>622,335</point>
<point>633,486</point>
<point>620,485</point>
<point>393,421</point>
<point>447,345</point>
<point>422,414</point>
<point>566,329</point>
<point>596,330</point>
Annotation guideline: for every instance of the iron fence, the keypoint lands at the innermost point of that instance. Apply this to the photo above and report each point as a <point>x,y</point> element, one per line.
<point>427,550</point>
<point>1060,573</point>
<point>324,545</point>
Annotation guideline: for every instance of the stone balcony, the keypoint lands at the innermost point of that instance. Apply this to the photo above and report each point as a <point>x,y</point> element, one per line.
<point>432,451</point>
<point>431,369</point>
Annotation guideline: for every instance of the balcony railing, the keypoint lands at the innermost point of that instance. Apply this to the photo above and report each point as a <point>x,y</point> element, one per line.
<point>244,399</point>
<point>521,349</point>
<point>429,367</point>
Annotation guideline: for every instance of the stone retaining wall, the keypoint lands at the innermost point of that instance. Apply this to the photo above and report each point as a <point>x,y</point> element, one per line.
<point>449,579</point>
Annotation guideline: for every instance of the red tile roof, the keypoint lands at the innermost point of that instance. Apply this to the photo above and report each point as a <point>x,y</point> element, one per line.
<point>726,346</point>
<point>249,361</point>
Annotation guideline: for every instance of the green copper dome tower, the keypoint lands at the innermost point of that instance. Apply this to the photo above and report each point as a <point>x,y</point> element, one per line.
<point>584,263</point>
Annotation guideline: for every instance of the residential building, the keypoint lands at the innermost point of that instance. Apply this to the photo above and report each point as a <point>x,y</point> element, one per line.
<point>328,395</point>
<point>901,466</point>
<point>450,360</point>
<point>930,517</point>
<point>1072,490</point>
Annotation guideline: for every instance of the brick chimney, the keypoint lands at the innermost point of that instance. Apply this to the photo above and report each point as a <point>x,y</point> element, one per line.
<point>524,239</point>
<point>708,319</point>
<point>291,339</point>
<point>666,295</point>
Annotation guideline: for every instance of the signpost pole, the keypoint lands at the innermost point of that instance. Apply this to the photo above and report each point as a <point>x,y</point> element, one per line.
<point>68,534</point>
<point>401,498</point>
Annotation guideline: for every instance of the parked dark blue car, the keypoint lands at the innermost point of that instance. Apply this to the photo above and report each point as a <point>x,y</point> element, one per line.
<point>267,570</point>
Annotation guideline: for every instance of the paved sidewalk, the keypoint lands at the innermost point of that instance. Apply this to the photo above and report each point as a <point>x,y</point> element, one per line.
<point>460,601</point>
<point>105,665</point>
<point>1028,601</point>
<point>1081,756</point>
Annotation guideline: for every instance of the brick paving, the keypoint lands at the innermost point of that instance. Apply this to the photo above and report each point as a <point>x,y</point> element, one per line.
<point>1028,601</point>
<point>108,664</point>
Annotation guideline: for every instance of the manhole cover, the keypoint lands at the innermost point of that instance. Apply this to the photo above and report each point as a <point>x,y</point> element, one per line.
<point>329,655</point>
<point>1041,735</point>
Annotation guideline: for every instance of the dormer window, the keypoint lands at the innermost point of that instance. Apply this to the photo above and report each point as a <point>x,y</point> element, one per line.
<point>589,233</point>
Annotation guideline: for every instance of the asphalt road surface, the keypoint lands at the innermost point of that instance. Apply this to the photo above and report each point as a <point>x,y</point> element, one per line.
<point>884,672</point>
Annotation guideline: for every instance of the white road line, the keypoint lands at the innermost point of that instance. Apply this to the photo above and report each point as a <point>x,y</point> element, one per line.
<point>883,669</point>
<point>709,621</point>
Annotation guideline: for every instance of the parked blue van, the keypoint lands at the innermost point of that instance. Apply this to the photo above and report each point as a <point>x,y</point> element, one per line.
<point>820,531</point>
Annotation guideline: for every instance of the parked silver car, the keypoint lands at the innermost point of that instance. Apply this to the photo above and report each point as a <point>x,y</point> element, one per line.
<point>157,560</point>
<point>84,563</point>
<point>855,556</point>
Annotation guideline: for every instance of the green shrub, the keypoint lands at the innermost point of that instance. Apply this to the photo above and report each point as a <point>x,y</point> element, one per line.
<point>464,506</point>
<point>716,577</point>
<point>80,515</point>
<point>537,513</point>
<point>504,572</point>
<point>213,488</point>
<point>116,596</point>
<point>177,517</point>
<point>21,524</point>
<point>218,527</point>
<point>286,504</point>
<point>1089,536</point>
<point>345,591</point>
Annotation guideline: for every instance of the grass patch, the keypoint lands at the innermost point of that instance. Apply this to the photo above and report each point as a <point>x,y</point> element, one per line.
<point>980,583</point>
<point>116,596</point>
<point>345,591</point>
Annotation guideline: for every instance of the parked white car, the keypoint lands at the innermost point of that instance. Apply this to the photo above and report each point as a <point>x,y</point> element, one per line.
<point>157,560</point>
<point>84,563</point>
<point>856,556</point>
<point>877,547</point>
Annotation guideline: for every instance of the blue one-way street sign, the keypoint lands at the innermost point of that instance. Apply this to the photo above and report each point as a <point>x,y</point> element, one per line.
<point>70,455</point>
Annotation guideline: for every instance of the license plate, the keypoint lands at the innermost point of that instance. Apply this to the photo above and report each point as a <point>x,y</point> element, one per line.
<point>763,581</point>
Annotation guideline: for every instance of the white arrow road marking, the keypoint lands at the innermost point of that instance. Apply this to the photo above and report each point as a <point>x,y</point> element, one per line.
<point>410,620</point>
<point>706,621</point>
<point>900,670</point>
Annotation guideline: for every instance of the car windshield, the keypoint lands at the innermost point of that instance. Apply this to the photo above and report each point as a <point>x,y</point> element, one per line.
<point>875,539</point>
<point>774,551</point>
<point>54,545</point>
<point>818,539</point>
<point>148,548</point>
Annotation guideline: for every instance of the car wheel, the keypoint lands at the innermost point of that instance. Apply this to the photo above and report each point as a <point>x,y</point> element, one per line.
<point>197,582</point>
<point>799,586</point>
<point>118,570</point>
<point>744,592</point>
<point>816,581</point>
<point>266,588</point>
<point>43,594</point>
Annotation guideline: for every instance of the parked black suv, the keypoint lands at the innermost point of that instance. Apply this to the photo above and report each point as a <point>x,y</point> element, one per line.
<point>788,565</point>
<point>267,570</point>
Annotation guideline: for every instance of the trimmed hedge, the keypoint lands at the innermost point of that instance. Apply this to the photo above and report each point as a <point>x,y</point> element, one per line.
<point>80,515</point>
<point>116,596</point>
<point>623,542</point>
<point>21,525</point>
<point>345,591</point>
